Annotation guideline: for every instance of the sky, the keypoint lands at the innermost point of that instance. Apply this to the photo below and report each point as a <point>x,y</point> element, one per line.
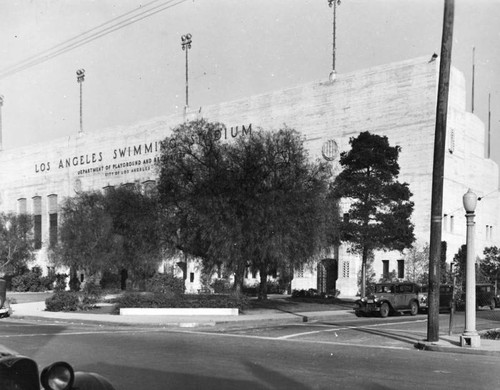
<point>135,71</point>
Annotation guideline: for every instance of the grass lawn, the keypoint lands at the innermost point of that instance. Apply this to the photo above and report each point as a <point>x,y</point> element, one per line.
<point>26,297</point>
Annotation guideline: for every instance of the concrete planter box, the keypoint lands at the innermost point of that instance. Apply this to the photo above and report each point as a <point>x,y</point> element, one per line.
<point>178,312</point>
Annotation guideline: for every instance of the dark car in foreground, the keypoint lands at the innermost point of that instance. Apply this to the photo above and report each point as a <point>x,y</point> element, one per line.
<point>390,298</point>
<point>21,373</point>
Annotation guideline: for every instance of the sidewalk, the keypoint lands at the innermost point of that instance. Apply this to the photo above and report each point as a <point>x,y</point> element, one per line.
<point>36,311</point>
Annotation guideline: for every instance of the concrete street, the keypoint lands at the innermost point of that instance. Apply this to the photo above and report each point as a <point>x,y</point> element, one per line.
<point>344,352</point>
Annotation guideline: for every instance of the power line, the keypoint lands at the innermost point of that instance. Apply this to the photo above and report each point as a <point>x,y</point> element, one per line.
<point>76,41</point>
<point>74,38</point>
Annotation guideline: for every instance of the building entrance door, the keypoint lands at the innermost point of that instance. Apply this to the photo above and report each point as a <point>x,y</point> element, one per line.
<point>327,276</point>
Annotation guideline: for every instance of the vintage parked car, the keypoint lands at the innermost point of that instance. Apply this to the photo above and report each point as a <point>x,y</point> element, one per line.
<point>4,304</point>
<point>390,298</point>
<point>485,296</point>
<point>446,292</point>
<point>21,373</point>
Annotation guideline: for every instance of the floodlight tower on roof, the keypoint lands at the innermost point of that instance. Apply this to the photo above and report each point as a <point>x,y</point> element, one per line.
<point>333,4</point>
<point>80,78</point>
<point>186,45</point>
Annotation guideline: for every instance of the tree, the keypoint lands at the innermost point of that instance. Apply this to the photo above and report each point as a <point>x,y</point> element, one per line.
<point>460,267</point>
<point>380,206</point>
<point>417,263</point>
<point>193,192</point>
<point>445,276</point>
<point>257,202</point>
<point>285,206</point>
<point>110,232</point>
<point>136,229</point>
<point>490,266</point>
<point>484,270</point>
<point>16,236</point>
<point>85,234</point>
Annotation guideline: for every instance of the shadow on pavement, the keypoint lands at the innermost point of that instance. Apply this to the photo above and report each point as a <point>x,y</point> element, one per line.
<point>143,378</point>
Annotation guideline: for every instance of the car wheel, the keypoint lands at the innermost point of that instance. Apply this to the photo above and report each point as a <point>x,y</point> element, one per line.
<point>413,308</point>
<point>384,310</point>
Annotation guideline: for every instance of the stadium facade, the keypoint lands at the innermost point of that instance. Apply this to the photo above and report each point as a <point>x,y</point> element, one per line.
<point>397,100</point>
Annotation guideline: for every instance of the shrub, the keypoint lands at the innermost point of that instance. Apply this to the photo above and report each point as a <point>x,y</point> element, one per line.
<point>221,286</point>
<point>29,281</point>
<point>165,284</point>
<point>158,300</point>
<point>74,284</point>
<point>110,280</point>
<point>60,282</point>
<point>92,293</point>
<point>311,293</point>
<point>62,301</point>
<point>274,287</point>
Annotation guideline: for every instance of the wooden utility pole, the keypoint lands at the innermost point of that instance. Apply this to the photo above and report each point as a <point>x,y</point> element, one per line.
<point>438,171</point>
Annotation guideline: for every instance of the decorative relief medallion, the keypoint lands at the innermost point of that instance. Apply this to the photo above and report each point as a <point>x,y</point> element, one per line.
<point>330,150</point>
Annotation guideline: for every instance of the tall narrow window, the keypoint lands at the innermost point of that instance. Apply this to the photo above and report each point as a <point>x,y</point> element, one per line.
<point>300,271</point>
<point>52,220</point>
<point>445,222</point>
<point>452,223</point>
<point>37,216</point>
<point>385,268</point>
<point>451,146</point>
<point>401,269</point>
<point>345,269</point>
<point>22,206</point>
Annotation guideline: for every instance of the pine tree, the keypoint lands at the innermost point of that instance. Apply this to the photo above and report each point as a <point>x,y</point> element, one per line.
<point>380,206</point>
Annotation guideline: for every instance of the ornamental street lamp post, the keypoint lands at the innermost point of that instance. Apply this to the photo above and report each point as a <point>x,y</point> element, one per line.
<point>186,45</point>
<point>80,78</point>
<point>470,337</point>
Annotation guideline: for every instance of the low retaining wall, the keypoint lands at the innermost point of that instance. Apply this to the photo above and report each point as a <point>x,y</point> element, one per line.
<point>178,312</point>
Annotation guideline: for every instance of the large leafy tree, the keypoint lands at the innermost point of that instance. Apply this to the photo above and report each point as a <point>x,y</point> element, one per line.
<point>115,231</point>
<point>380,206</point>
<point>85,234</point>
<point>286,211</point>
<point>193,191</point>
<point>136,230</point>
<point>490,266</point>
<point>257,202</point>
<point>16,236</point>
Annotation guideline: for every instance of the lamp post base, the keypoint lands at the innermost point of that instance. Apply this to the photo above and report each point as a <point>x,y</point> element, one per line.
<point>472,340</point>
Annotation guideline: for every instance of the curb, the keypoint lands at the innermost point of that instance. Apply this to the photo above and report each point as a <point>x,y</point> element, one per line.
<point>436,347</point>
<point>210,321</point>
